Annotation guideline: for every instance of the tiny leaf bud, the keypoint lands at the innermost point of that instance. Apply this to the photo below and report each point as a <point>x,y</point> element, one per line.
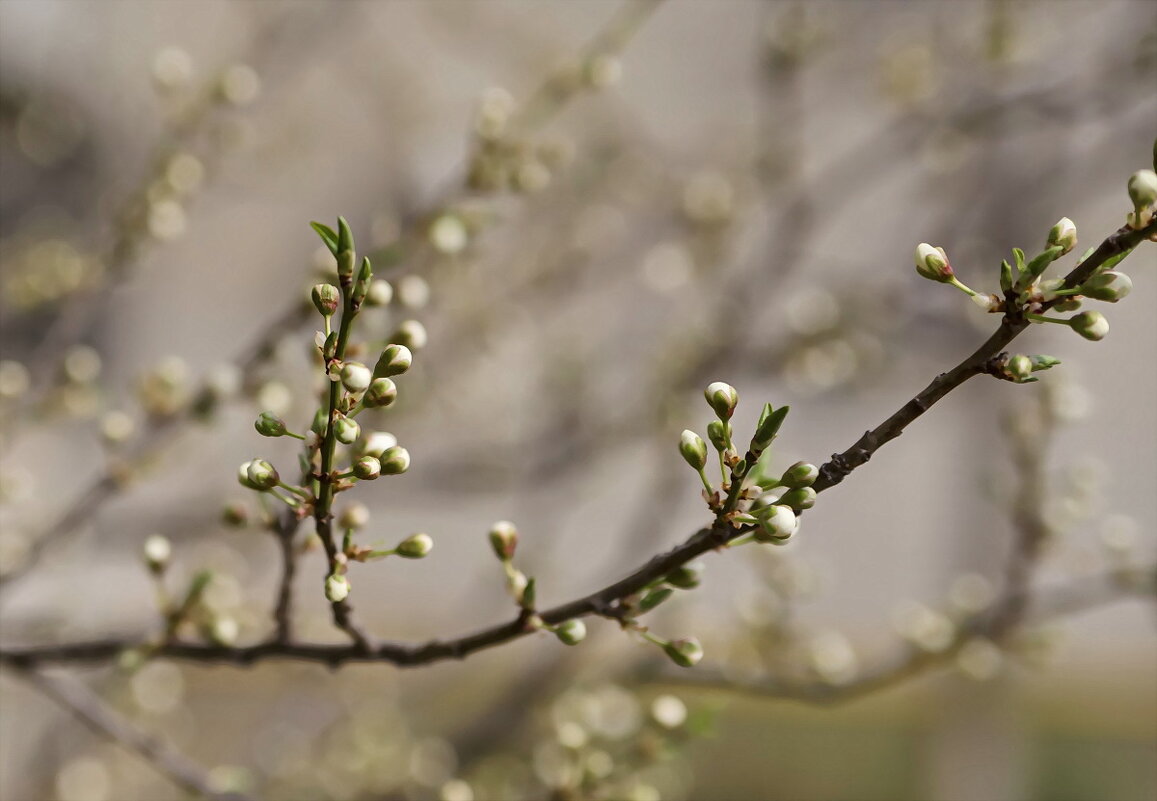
<point>269,425</point>
<point>571,632</point>
<point>381,392</point>
<point>769,426</point>
<point>723,398</point>
<point>337,588</point>
<point>395,360</point>
<point>1063,234</point>
<point>932,263</point>
<point>800,474</point>
<point>1090,324</point>
<point>355,376</point>
<point>719,433</point>
<point>503,539</point>
<point>1109,286</point>
<point>1143,188</point>
<point>1019,367</point>
<point>799,498</point>
<point>395,460</point>
<point>157,551</point>
<point>326,299</point>
<point>654,598</point>
<point>694,449</point>
<point>1041,362</point>
<point>367,468</point>
<point>261,474</point>
<point>416,546</point>
<point>686,577</point>
<point>346,430</point>
<point>345,237</point>
<point>684,653</point>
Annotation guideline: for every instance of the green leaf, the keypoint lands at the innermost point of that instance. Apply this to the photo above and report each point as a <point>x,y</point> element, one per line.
<point>345,237</point>
<point>767,430</point>
<point>1005,275</point>
<point>1041,262</point>
<point>327,235</point>
<point>654,598</point>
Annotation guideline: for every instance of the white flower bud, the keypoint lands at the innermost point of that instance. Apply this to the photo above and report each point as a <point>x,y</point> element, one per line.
<point>723,398</point>
<point>337,588</point>
<point>778,523</point>
<point>157,550</point>
<point>395,460</point>
<point>1090,324</point>
<point>932,263</point>
<point>416,546</point>
<point>378,443</point>
<point>1143,188</point>
<point>1108,286</point>
<point>694,449</point>
<point>355,376</point>
<point>684,653</point>
<point>1064,233</point>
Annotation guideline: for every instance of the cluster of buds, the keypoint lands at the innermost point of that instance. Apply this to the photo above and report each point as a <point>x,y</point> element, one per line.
<point>1025,292</point>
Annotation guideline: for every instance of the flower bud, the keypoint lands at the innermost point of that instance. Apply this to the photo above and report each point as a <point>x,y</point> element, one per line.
<point>261,475</point>
<point>986,302</point>
<point>379,293</point>
<point>337,588</point>
<point>346,429</point>
<point>1063,234</point>
<point>378,443</point>
<point>355,376</point>
<point>800,474</point>
<point>1109,286</point>
<point>777,523</point>
<point>367,468</point>
<point>395,460</point>
<point>1019,367</point>
<point>1143,188</point>
<point>686,577</point>
<point>694,449</point>
<point>416,546</point>
<point>516,583</point>
<point>684,653</point>
<point>157,551</point>
<point>410,333</point>
<point>356,515</point>
<point>799,498</point>
<point>932,263</point>
<point>721,397</point>
<point>395,360</point>
<point>719,433</point>
<point>270,425</point>
<point>381,393</point>
<point>1090,324</point>
<point>571,632</point>
<point>503,539</point>
<point>326,298</point>
<point>235,515</point>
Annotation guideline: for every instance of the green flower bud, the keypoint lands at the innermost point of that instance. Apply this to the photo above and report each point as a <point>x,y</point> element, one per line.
<point>503,539</point>
<point>378,443</point>
<point>1064,234</point>
<point>723,398</point>
<point>355,376</point>
<point>261,475</point>
<point>356,515</point>
<point>379,293</point>
<point>235,515</point>
<point>776,524</point>
<point>1109,286</point>
<point>416,546</point>
<point>799,498</point>
<point>381,392</point>
<point>367,468</point>
<point>1090,324</point>
<point>346,430</point>
<point>932,263</point>
<point>157,551</point>
<point>410,333</point>
<point>395,460</point>
<point>686,577</point>
<point>719,433</point>
<point>395,360</point>
<point>684,653</point>
<point>571,632</point>
<point>362,285</point>
<point>337,588</point>
<point>326,298</point>
<point>269,425</point>
<point>694,449</point>
<point>1019,367</point>
<point>1143,188</point>
<point>800,474</point>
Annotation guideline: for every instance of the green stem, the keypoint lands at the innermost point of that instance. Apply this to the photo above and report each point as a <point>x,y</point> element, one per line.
<point>962,287</point>
<point>1040,318</point>
<point>706,484</point>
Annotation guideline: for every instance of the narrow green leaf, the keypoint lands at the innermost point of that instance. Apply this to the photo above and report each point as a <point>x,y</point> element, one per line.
<point>327,235</point>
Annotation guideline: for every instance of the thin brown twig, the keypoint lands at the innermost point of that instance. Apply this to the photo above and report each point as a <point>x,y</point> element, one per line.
<point>97,715</point>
